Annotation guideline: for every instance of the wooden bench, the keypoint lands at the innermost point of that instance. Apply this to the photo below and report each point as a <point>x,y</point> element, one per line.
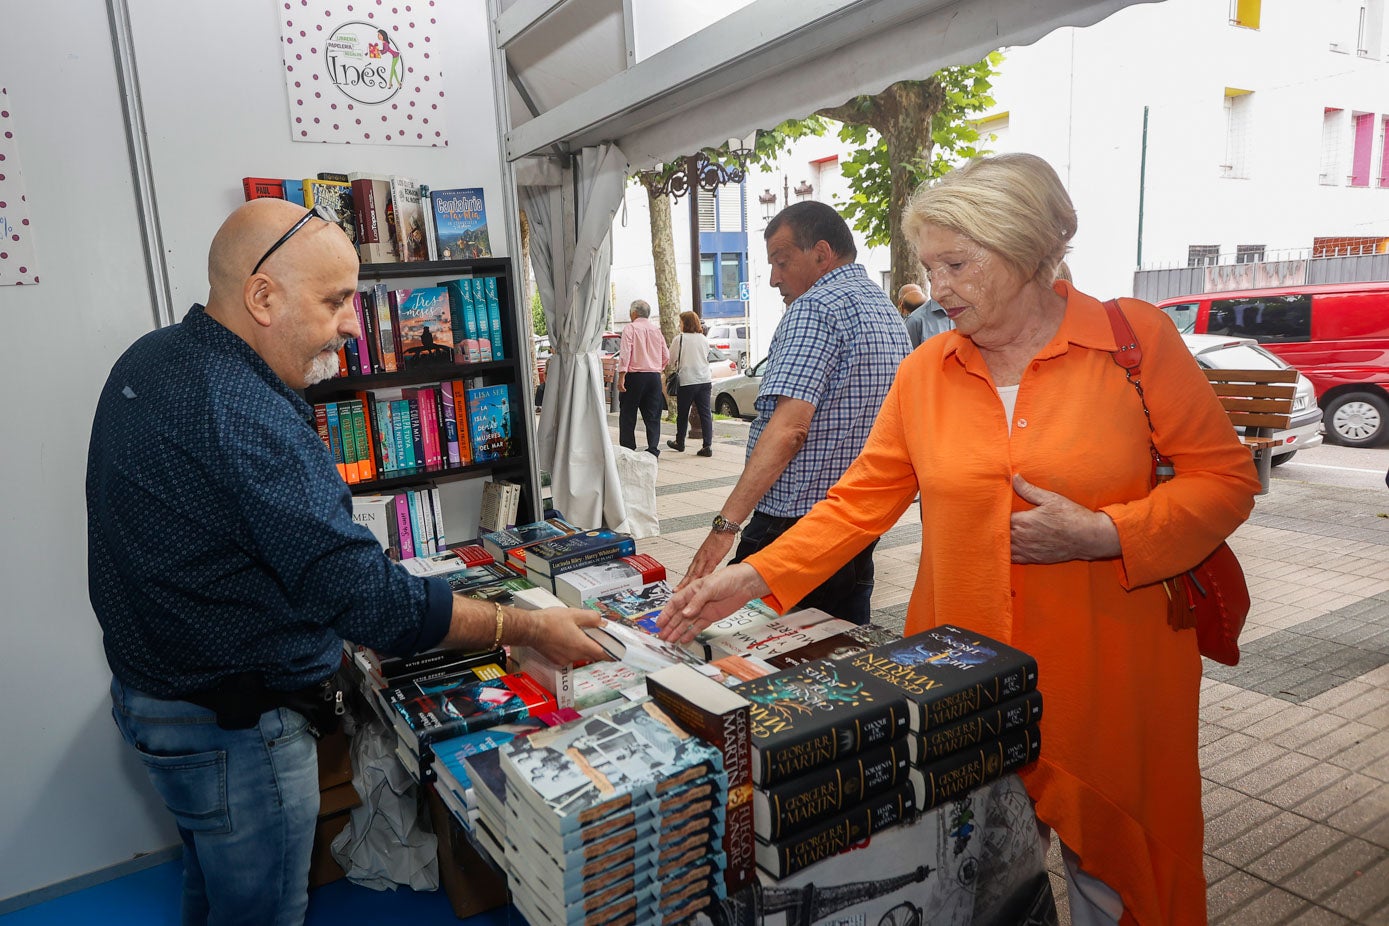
<point>1260,402</point>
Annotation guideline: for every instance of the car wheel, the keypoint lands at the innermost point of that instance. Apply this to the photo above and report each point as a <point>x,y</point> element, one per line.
<point>1358,419</point>
<point>725,405</point>
<point>1279,461</point>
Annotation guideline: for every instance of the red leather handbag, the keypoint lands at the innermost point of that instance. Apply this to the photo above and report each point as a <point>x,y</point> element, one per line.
<point>1212,596</point>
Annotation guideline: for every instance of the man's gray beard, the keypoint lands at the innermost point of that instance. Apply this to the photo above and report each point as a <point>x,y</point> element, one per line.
<point>324,366</point>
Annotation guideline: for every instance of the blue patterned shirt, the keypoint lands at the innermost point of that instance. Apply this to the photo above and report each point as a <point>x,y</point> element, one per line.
<point>837,347</point>
<point>220,537</point>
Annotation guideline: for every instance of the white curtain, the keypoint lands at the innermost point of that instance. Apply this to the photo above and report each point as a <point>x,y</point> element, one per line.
<point>571,213</point>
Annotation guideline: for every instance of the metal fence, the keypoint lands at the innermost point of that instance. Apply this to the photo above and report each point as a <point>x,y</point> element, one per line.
<point>1155,285</point>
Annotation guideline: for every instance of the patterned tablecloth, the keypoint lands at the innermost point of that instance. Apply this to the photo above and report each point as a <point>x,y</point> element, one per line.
<point>976,860</point>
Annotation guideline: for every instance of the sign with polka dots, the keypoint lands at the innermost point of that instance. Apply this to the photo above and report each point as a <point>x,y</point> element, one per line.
<point>17,265</point>
<point>364,72</point>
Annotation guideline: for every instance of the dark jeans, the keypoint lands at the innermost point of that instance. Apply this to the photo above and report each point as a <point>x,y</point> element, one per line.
<point>643,394</point>
<point>698,396</point>
<point>846,594</point>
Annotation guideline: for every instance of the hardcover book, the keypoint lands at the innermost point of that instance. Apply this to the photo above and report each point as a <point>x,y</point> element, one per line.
<point>989,723</point>
<point>829,837</point>
<point>262,188</point>
<point>408,213</point>
<point>489,423</point>
<point>946,673</point>
<point>450,560</point>
<point>499,543</point>
<point>565,554</point>
<point>426,334</point>
<point>955,775</point>
<point>397,670</point>
<point>336,195</point>
<point>573,588</point>
<point>463,580</point>
<point>794,805</point>
<point>464,707</point>
<point>780,634</point>
<point>371,195</point>
<point>460,223</point>
<point>845,642</point>
<point>815,714</point>
<point>628,604</point>
<point>720,717</point>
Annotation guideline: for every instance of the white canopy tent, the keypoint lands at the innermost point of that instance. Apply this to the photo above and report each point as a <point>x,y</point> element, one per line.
<point>581,82</point>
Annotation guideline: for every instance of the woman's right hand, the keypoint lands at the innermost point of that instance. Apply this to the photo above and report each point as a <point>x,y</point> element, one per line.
<point>701,602</point>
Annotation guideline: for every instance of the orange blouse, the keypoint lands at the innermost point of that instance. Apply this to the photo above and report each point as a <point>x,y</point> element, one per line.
<point>1118,778</point>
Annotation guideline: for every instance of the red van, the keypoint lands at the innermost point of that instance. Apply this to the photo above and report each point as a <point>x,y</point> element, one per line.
<point>1337,335</point>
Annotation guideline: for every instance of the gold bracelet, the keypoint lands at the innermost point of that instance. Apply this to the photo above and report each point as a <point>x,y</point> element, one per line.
<point>497,640</point>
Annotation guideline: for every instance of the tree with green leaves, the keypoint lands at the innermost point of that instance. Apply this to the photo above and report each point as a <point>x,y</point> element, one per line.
<point>914,131</point>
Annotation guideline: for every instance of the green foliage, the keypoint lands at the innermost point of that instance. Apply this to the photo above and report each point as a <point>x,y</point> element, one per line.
<point>537,314</point>
<point>954,140</point>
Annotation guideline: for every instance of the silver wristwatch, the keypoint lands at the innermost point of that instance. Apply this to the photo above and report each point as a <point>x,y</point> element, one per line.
<point>722,525</point>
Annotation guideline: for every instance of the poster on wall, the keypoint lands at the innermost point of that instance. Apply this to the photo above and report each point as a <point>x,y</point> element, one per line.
<point>363,72</point>
<point>17,265</point>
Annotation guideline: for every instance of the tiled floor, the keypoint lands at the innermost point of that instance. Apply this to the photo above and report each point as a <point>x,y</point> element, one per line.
<point>1294,741</point>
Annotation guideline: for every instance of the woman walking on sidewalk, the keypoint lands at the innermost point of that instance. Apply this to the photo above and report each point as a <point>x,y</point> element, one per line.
<point>689,352</point>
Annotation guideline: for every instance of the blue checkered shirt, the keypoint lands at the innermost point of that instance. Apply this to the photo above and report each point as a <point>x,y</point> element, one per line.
<point>837,347</point>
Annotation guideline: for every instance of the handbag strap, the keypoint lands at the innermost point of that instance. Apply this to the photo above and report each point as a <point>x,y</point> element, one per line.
<point>1128,354</point>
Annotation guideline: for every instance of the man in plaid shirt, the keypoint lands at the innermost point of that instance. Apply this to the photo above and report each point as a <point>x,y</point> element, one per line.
<point>831,361</point>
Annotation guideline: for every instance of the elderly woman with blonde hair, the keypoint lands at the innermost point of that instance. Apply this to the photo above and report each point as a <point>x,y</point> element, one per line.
<point>1041,526</point>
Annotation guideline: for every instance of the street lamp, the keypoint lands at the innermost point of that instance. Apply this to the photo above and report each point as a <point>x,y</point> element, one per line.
<point>768,199</point>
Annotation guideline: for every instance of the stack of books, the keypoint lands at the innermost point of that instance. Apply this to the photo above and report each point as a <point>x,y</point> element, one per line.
<point>614,818</point>
<point>842,748</point>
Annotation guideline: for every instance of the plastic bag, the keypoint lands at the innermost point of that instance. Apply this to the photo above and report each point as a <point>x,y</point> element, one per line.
<point>636,470</point>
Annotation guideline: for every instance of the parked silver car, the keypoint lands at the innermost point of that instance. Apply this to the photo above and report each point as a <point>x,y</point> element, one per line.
<point>1222,352</point>
<point>734,395</point>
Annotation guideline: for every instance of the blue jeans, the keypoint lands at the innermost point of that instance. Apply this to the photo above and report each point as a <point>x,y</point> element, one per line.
<point>847,594</point>
<point>245,802</point>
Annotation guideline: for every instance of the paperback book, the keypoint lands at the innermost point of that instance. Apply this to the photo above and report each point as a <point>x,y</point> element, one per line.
<point>566,554</point>
<point>499,543</point>
<point>337,196</point>
<point>452,710</point>
<point>460,223</point>
<point>489,422</point>
<point>573,588</point>
<point>629,604</point>
<point>426,333</point>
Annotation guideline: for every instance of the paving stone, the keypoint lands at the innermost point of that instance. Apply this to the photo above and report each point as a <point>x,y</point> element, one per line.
<point>1215,868</point>
<point>1360,816</point>
<point>1338,740</point>
<point>1260,781</point>
<point>1273,906</point>
<point>1372,750</point>
<point>1243,764</point>
<point>1298,789</point>
<point>1336,867</point>
<point>1338,796</point>
<point>1232,893</point>
<point>1293,856</point>
<point>1237,820</point>
<point>1216,799</point>
<point>1366,894</point>
<point>1225,748</point>
<point>1262,839</point>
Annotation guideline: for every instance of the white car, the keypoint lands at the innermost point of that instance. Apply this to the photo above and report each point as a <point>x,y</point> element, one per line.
<point>734,396</point>
<point>1222,352</point>
<point>731,338</point>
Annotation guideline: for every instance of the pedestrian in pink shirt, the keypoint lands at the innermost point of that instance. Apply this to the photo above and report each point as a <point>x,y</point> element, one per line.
<point>643,357</point>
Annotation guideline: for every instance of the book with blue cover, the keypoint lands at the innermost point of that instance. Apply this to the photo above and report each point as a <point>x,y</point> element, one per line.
<point>488,336</point>
<point>426,328</point>
<point>565,554</point>
<point>489,422</point>
<point>460,223</point>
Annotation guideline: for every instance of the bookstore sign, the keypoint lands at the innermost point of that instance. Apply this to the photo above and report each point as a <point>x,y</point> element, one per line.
<point>363,81</point>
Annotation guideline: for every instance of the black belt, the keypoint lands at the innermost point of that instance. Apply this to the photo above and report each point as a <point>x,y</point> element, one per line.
<point>239,700</point>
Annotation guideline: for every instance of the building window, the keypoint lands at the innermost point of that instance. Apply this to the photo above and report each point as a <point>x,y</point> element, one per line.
<point>1384,152</point>
<point>1249,254</point>
<point>1371,31</point>
<point>1245,13</point>
<point>1331,169</point>
<point>720,276</point>
<point>1364,142</point>
<point>1238,106</point>
<point>1202,255</point>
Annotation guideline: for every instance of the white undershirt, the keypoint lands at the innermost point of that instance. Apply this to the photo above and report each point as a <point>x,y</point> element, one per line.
<point>1009,395</point>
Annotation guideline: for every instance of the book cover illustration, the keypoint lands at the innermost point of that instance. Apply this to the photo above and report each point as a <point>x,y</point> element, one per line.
<point>572,772</point>
<point>460,223</point>
<point>813,714</point>
<point>440,712</point>
<point>627,604</point>
<point>407,218</point>
<point>426,333</point>
<point>947,673</point>
<point>498,543</point>
<point>336,195</point>
<point>489,422</point>
<point>470,577</point>
<point>601,578</point>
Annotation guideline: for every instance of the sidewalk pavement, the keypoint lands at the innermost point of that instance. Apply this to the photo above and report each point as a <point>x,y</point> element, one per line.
<point>1294,740</point>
